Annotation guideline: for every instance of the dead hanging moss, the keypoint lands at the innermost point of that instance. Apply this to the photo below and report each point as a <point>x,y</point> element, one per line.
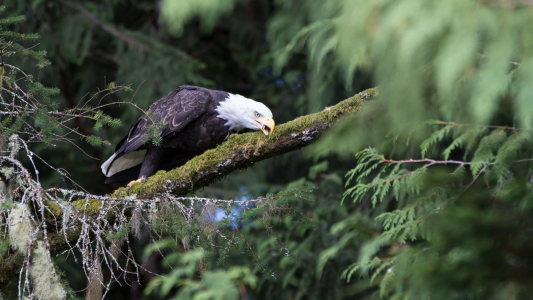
<point>243,150</point>
<point>20,228</point>
<point>136,224</point>
<point>45,280</point>
<point>271,210</point>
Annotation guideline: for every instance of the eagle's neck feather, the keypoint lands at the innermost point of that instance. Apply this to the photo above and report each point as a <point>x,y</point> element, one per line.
<point>234,109</point>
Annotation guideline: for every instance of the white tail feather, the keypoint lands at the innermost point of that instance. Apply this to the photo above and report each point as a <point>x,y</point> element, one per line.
<point>122,163</point>
<point>106,164</point>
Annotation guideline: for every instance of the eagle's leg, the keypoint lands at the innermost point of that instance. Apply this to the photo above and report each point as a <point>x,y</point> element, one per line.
<point>128,187</point>
<point>150,165</point>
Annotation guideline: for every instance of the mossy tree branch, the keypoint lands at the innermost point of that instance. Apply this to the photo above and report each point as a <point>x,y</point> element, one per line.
<point>243,150</point>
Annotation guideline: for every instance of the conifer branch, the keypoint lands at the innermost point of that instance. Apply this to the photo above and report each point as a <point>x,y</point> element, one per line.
<point>430,161</point>
<point>453,124</point>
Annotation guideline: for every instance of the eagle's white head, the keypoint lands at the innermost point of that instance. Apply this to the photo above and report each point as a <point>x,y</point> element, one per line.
<point>241,112</point>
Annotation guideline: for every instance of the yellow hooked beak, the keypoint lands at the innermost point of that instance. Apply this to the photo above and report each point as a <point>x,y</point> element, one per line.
<point>266,124</point>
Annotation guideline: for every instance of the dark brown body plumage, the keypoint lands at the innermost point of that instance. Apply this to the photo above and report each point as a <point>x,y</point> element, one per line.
<point>191,127</point>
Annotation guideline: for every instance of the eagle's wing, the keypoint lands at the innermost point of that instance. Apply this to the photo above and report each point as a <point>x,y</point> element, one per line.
<point>177,109</point>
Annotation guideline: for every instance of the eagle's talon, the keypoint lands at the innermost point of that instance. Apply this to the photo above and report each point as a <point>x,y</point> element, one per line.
<point>140,180</point>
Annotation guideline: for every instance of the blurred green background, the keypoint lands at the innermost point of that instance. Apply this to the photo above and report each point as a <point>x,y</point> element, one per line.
<point>455,93</point>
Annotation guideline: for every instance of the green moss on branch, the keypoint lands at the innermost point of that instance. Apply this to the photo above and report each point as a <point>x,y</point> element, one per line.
<point>243,150</point>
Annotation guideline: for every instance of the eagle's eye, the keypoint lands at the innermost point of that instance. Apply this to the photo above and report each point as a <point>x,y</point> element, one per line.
<point>257,115</point>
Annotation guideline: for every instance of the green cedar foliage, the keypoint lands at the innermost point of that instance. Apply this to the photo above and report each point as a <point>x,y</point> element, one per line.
<point>444,156</point>
<point>456,223</point>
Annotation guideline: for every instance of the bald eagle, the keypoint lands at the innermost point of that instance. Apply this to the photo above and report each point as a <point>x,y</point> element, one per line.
<point>196,119</point>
